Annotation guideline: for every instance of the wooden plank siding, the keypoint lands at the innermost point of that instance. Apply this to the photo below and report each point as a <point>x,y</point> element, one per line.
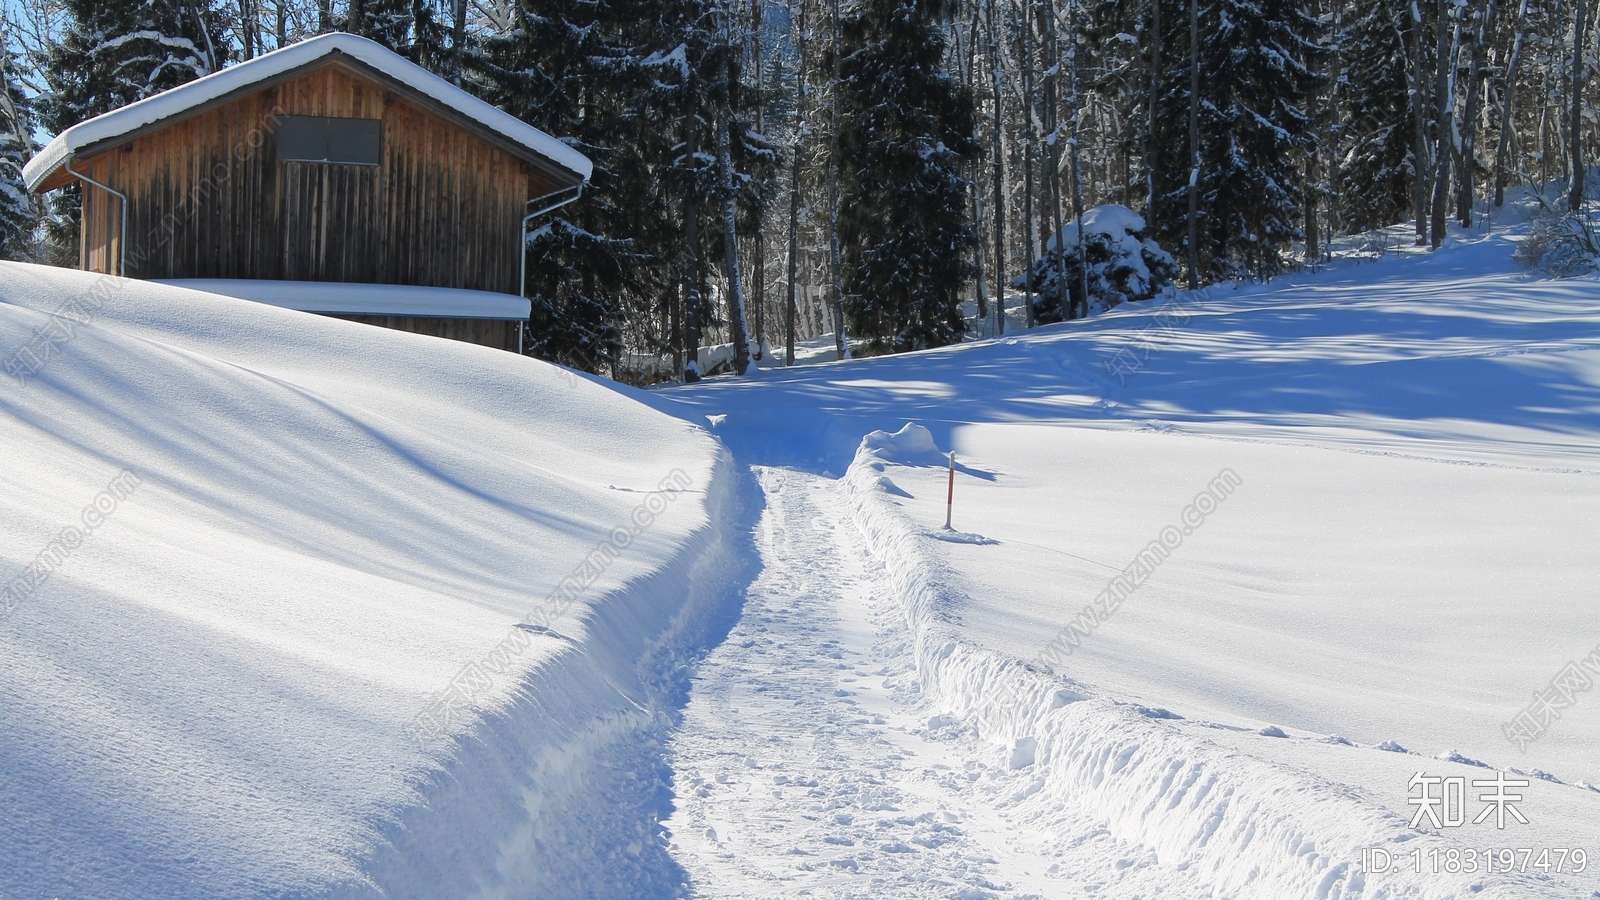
<point>208,199</point>
<point>489,333</point>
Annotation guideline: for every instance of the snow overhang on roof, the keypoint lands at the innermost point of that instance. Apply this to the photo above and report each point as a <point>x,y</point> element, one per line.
<point>175,103</point>
<point>350,299</point>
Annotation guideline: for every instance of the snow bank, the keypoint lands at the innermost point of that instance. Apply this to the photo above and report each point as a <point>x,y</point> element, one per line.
<point>297,606</point>
<point>1244,826</point>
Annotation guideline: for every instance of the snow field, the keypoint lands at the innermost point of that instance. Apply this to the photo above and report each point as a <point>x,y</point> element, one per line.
<point>1112,780</point>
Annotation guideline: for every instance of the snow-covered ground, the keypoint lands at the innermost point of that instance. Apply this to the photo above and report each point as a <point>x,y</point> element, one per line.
<point>1401,554</point>
<point>295,606</point>
<point>346,612</point>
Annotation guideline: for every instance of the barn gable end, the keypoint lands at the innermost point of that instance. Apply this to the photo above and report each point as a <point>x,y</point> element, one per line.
<point>209,196</point>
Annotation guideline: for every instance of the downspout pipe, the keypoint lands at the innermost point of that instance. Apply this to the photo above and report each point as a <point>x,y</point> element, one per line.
<point>122,238</point>
<point>522,242</point>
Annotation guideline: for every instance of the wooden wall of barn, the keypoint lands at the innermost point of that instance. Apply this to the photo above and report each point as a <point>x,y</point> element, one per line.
<point>489,333</point>
<point>208,199</point>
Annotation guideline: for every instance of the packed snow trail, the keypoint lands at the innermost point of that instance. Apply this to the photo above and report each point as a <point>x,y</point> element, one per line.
<point>803,765</point>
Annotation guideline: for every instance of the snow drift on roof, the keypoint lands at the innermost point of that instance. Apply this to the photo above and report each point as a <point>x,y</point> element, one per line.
<point>347,299</point>
<point>218,84</point>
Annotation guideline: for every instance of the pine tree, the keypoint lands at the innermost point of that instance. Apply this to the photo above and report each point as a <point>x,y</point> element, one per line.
<point>558,69</point>
<point>906,132</point>
<point>627,83</point>
<point>112,53</point>
<point>1379,165</point>
<point>19,216</point>
<point>387,22</point>
<point>1253,134</point>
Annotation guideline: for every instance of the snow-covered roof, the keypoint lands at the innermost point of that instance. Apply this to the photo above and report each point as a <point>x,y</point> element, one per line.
<point>348,299</point>
<point>179,100</point>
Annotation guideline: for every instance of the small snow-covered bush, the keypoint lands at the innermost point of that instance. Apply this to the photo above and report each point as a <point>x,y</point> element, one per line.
<point>1560,246</point>
<point>1124,265</point>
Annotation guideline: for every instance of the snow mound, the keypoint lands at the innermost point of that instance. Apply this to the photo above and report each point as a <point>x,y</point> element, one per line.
<point>263,573</point>
<point>912,445</point>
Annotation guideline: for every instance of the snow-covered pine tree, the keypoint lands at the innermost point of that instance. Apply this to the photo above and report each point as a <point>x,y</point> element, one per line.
<point>1253,133</point>
<point>1375,184</point>
<point>432,41</point>
<point>388,22</point>
<point>1123,264</point>
<point>906,131</point>
<point>19,214</point>
<point>565,66</point>
<point>114,52</point>
<point>111,53</point>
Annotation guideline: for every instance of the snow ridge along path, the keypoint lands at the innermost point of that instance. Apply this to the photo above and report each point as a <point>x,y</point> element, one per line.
<point>312,653</point>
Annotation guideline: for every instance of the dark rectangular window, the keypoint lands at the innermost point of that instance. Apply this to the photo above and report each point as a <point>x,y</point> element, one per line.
<point>328,140</point>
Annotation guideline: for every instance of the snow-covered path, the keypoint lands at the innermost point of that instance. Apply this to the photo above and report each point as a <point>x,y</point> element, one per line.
<point>805,765</point>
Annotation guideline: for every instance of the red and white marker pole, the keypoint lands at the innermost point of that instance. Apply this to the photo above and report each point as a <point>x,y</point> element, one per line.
<point>950,495</point>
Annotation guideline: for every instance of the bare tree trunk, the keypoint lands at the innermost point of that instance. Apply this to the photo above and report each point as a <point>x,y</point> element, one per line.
<point>1503,142</point>
<point>675,326</point>
<point>730,239</point>
<point>1580,27</point>
<point>740,334</point>
<point>1445,97</point>
<point>1194,144</point>
<point>1422,162</point>
<point>1313,246</point>
<point>1031,103</point>
<point>760,281</point>
<point>841,345</point>
<point>1332,145</point>
<point>458,37</point>
<point>1544,146</point>
<point>249,26</point>
<point>1467,195</point>
<point>1052,124</point>
<point>1150,175</point>
<point>970,79</point>
<point>800,136</point>
<point>691,291</point>
<point>1072,147</point>
<point>999,173</point>
<point>1313,189</point>
<point>324,16</point>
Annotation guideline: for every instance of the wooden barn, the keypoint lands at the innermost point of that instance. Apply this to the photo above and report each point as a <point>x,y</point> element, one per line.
<point>330,162</point>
